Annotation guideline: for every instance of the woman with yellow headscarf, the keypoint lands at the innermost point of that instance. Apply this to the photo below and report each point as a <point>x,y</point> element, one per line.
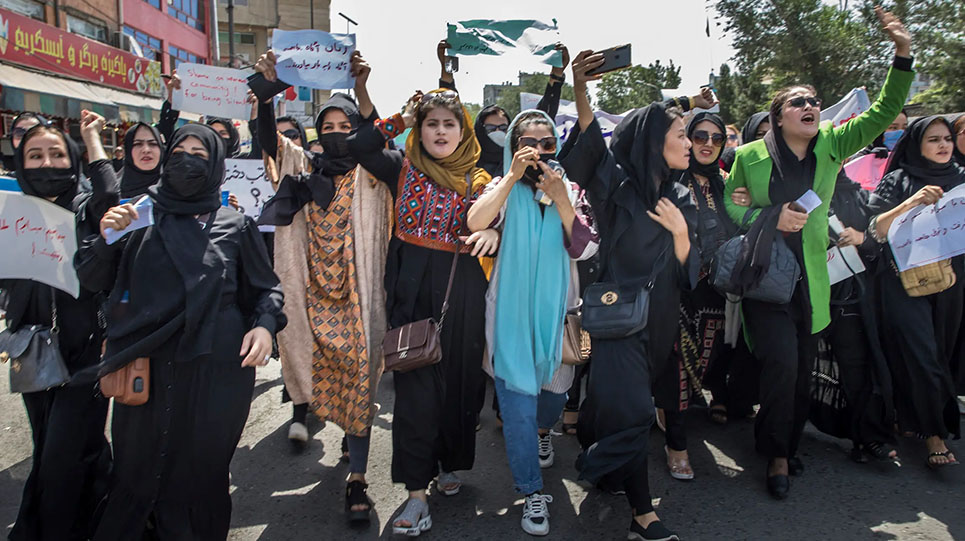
<point>433,182</point>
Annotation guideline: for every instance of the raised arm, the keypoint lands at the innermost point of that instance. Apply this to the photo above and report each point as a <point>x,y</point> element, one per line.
<point>446,79</point>
<point>550,102</point>
<point>104,184</point>
<point>169,116</point>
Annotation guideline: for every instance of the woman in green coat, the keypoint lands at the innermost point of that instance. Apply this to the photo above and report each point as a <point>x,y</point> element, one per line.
<point>800,154</point>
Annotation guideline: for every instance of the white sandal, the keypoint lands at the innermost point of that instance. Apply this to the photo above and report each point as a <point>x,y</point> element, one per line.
<point>416,513</point>
<point>447,478</point>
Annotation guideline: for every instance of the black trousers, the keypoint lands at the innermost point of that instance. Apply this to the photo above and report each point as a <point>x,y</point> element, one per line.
<point>781,340</point>
<point>71,461</point>
<point>733,379</point>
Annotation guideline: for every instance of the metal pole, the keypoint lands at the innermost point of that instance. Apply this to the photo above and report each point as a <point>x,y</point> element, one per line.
<point>231,33</point>
<point>215,34</point>
<point>311,16</point>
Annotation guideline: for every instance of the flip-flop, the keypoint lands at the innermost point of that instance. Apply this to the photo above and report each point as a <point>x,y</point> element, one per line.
<point>951,460</point>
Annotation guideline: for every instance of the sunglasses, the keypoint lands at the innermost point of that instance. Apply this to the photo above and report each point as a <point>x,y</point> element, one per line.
<point>496,127</point>
<point>732,137</point>
<point>18,132</point>
<point>546,144</point>
<point>701,137</point>
<point>801,100</point>
<point>442,94</point>
<point>292,134</point>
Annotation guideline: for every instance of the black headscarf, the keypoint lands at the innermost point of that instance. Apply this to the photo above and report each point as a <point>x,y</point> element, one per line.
<point>959,155</point>
<point>176,276</point>
<point>749,133</point>
<point>637,146</point>
<point>31,185</point>
<point>319,186</point>
<point>134,181</point>
<point>9,162</point>
<point>712,169</point>
<point>491,158</point>
<point>907,156</point>
<point>298,126</point>
<point>233,142</point>
<point>790,177</point>
<point>727,157</point>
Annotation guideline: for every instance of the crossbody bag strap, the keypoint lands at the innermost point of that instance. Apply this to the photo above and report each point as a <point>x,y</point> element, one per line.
<point>455,256</point>
<point>53,310</point>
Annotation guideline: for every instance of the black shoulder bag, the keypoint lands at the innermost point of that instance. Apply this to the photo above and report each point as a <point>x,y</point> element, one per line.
<point>34,354</point>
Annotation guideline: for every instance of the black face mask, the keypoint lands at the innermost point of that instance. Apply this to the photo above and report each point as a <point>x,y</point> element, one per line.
<point>50,181</point>
<point>335,144</point>
<point>531,177</point>
<point>117,164</point>
<point>186,174</point>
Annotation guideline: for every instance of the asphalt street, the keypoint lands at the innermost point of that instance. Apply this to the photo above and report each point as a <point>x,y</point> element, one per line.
<point>280,494</point>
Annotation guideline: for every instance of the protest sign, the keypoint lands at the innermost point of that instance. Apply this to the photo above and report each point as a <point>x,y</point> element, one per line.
<point>39,242</point>
<point>843,263</point>
<point>929,233</point>
<point>496,38</point>
<point>9,184</point>
<point>314,58</point>
<point>850,106</point>
<point>567,117</point>
<point>212,91</point>
<point>866,170</point>
<point>246,180</point>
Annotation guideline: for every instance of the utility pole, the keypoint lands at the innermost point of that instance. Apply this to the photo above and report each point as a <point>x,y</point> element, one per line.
<point>231,33</point>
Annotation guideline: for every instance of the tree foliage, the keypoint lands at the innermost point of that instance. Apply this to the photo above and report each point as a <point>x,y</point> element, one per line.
<point>534,83</point>
<point>636,86</point>
<point>740,95</point>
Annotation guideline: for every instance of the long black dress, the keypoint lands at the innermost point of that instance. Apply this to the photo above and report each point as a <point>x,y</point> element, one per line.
<point>71,457</point>
<point>618,411</point>
<point>435,407</point>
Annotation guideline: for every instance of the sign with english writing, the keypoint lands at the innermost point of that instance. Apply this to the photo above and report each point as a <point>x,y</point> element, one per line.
<point>246,180</point>
<point>850,106</point>
<point>39,242</point>
<point>212,91</point>
<point>314,58</point>
<point>930,233</point>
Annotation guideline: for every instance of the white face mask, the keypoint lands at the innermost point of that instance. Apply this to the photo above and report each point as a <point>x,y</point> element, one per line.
<point>498,137</point>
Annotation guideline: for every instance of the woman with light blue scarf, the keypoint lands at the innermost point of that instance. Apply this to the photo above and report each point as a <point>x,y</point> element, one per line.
<point>546,227</point>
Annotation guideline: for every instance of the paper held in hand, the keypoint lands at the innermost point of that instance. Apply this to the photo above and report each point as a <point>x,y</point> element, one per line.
<point>212,91</point>
<point>314,58</point>
<point>39,242</point>
<point>929,233</point>
<point>842,262</point>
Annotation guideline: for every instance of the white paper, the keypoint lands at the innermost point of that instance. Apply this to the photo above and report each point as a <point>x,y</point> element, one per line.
<point>212,91</point>
<point>314,58</point>
<point>39,242</point>
<point>245,179</point>
<point>929,233</point>
<point>809,201</point>
<point>145,218</point>
<point>844,263</point>
<point>850,106</point>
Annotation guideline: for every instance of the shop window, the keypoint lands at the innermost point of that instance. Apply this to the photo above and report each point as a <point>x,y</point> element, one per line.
<point>150,45</point>
<point>86,28</point>
<point>180,55</point>
<point>190,12</point>
<point>28,8</point>
<point>244,38</point>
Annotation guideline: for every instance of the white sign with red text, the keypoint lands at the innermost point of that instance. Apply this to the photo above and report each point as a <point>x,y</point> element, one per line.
<point>850,106</point>
<point>212,91</point>
<point>39,242</point>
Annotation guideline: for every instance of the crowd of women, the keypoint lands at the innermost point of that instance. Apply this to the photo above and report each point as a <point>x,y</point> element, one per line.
<point>497,233</point>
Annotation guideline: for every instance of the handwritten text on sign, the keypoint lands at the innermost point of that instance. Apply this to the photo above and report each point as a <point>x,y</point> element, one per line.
<point>39,241</point>
<point>930,233</point>
<point>212,91</point>
<point>246,180</point>
<point>314,58</point>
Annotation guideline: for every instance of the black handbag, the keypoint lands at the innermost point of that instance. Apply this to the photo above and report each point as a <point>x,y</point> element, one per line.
<point>34,354</point>
<point>829,410</point>
<point>778,283</point>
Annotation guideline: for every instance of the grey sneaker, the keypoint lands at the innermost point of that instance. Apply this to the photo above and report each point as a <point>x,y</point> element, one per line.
<point>536,514</point>
<point>546,453</point>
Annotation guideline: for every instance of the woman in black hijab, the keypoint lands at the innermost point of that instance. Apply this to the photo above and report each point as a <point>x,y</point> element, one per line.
<point>491,126</point>
<point>959,133</point>
<point>920,332</point>
<point>756,127</point>
<point>71,458</point>
<point>702,309</point>
<point>229,134</point>
<point>143,149</point>
<point>646,225</point>
<point>189,293</point>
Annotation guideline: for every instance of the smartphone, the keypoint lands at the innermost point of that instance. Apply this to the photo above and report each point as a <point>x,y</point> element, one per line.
<point>614,58</point>
<point>265,89</point>
<point>452,64</point>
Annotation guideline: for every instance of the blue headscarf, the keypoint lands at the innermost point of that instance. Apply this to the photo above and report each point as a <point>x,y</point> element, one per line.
<point>533,276</point>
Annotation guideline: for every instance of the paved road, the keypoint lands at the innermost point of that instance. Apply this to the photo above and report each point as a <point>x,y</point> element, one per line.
<point>279,495</point>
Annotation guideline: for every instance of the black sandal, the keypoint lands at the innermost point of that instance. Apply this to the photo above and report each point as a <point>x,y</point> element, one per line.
<point>355,495</point>
<point>881,452</point>
<point>935,465</point>
<point>717,413</point>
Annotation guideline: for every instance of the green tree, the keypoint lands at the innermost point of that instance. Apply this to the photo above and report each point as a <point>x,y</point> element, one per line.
<point>740,95</point>
<point>637,86</point>
<point>534,83</point>
<point>473,109</point>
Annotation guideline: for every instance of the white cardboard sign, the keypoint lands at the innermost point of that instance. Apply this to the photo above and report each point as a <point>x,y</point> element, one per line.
<point>39,242</point>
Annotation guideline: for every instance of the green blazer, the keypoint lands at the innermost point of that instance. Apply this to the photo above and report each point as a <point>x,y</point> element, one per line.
<point>752,169</point>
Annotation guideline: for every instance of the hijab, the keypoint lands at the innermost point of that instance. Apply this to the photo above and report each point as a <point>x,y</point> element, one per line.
<point>791,177</point>
<point>134,181</point>
<point>749,133</point>
<point>532,282</point>
<point>319,186</point>
<point>49,181</point>
<point>959,155</point>
<point>637,146</point>
<point>233,142</point>
<point>491,158</point>
<point>908,157</point>
<point>712,169</point>
<point>450,172</point>
<point>298,126</point>
<point>175,280</point>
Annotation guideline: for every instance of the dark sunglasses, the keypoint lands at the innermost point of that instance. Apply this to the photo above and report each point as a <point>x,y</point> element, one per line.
<point>547,144</point>
<point>732,137</point>
<point>701,137</point>
<point>292,134</point>
<point>496,127</point>
<point>442,94</point>
<point>18,132</point>
<point>801,100</point>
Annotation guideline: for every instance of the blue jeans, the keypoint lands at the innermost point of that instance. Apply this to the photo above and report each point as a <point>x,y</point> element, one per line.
<point>522,416</point>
